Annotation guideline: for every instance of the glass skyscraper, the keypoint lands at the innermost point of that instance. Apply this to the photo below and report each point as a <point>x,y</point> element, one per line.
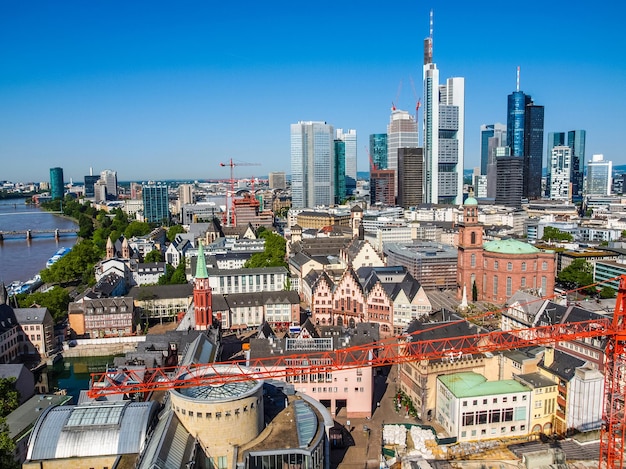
<point>156,207</point>
<point>349,138</point>
<point>340,171</point>
<point>57,185</point>
<point>575,139</point>
<point>401,133</point>
<point>378,150</point>
<point>312,164</point>
<point>524,133</point>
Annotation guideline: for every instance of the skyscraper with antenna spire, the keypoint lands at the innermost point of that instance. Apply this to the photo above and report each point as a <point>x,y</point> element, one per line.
<point>444,131</point>
<point>524,130</point>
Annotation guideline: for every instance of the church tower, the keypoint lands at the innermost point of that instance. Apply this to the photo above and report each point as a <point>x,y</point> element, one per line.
<point>110,249</point>
<point>202,294</point>
<point>470,251</point>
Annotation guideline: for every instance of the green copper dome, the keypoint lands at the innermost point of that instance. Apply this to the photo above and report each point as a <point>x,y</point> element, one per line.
<point>201,271</point>
<point>510,246</point>
<point>470,201</point>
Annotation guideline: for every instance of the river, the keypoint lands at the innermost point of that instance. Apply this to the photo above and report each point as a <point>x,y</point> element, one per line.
<point>21,259</point>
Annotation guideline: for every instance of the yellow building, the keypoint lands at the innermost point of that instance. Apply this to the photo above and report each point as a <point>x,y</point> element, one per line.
<point>542,401</point>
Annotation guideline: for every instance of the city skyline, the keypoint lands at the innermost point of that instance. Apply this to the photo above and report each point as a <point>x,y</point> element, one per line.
<point>159,92</point>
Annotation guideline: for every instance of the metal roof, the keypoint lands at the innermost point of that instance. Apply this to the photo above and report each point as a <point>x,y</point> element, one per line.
<point>470,384</point>
<point>306,423</point>
<point>93,429</point>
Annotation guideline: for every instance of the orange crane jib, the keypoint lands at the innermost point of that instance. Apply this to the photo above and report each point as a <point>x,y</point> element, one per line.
<point>408,348</point>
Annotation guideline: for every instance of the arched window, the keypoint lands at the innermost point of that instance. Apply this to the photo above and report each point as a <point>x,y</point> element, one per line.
<point>473,259</point>
<point>473,237</point>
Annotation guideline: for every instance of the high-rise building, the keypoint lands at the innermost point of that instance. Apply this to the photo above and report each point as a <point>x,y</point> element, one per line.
<point>378,150</point>
<point>510,175</point>
<point>410,177</point>
<point>444,132</point>
<point>349,138</point>
<point>278,180</point>
<point>89,185</point>
<point>312,164</point>
<point>599,176</point>
<point>57,185</point>
<point>401,133</point>
<point>492,136</point>
<point>340,171</point>
<point>575,139</point>
<point>560,167</point>
<point>524,133</point>
<point>533,150</point>
<point>155,203</point>
<point>110,181</point>
<point>185,194</point>
<point>382,186</point>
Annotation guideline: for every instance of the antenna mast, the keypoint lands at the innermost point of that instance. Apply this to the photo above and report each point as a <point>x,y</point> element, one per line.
<point>517,88</point>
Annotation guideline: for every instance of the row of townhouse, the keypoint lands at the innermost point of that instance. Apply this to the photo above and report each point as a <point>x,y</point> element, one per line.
<point>387,296</point>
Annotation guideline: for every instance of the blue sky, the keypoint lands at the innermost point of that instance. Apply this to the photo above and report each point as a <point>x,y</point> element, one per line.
<point>159,90</point>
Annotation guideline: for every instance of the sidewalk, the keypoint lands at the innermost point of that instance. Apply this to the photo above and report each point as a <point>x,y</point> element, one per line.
<point>367,433</point>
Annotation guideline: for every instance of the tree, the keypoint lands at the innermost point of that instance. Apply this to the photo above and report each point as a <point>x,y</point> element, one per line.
<point>578,274</point>
<point>172,231</point>
<point>474,292</point>
<point>179,276</point>
<point>56,300</point>
<point>137,228</point>
<point>7,447</point>
<point>85,226</point>
<point>606,292</point>
<point>153,256</point>
<point>273,255</point>
<point>9,396</point>
<point>550,233</point>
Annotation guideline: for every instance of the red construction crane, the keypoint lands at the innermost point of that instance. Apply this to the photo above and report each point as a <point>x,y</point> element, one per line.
<point>407,349</point>
<point>229,215</point>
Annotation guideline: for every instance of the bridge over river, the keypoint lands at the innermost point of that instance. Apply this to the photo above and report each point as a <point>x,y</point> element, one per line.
<point>30,234</point>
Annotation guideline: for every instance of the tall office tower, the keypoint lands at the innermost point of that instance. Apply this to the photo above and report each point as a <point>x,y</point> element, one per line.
<point>312,164</point>
<point>156,207</point>
<point>99,191</point>
<point>510,172</point>
<point>381,187</point>
<point>89,185</point>
<point>444,131</point>
<point>349,138</point>
<point>575,139</point>
<point>492,136</point>
<point>110,180</point>
<point>340,171</point>
<point>560,167</point>
<point>533,150</point>
<point>278,180</point>
<point>410,177</point>
<point>378,150</point>
<point>524,133</point>
<point>185,194</point>
<point>57,185</point>
<point>401,133</point>
<point>599,176</point>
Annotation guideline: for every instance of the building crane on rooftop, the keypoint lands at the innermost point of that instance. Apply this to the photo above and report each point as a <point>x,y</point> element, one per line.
<point>229,215</point>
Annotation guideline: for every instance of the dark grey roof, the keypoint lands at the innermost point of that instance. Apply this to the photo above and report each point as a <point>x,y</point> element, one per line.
<point>536,380</point>
<point>235,300</point>
<point>564,365</point>
<point>7,318</point>
<point>259,270</point>
<point>31,315</point>
<point>107,284</point>
<point>158,292</point>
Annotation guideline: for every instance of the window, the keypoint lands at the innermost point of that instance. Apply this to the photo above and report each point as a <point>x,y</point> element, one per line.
<point>495,285</point>
<point>474,402</point>
<point>523,266</point>
<point>544,265</point>
<point>509,266</point>
<point>495,265</point>
<point>509,287</point>
<point>523,282</point>
<point>473,260</point>
<point>473,237</point>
